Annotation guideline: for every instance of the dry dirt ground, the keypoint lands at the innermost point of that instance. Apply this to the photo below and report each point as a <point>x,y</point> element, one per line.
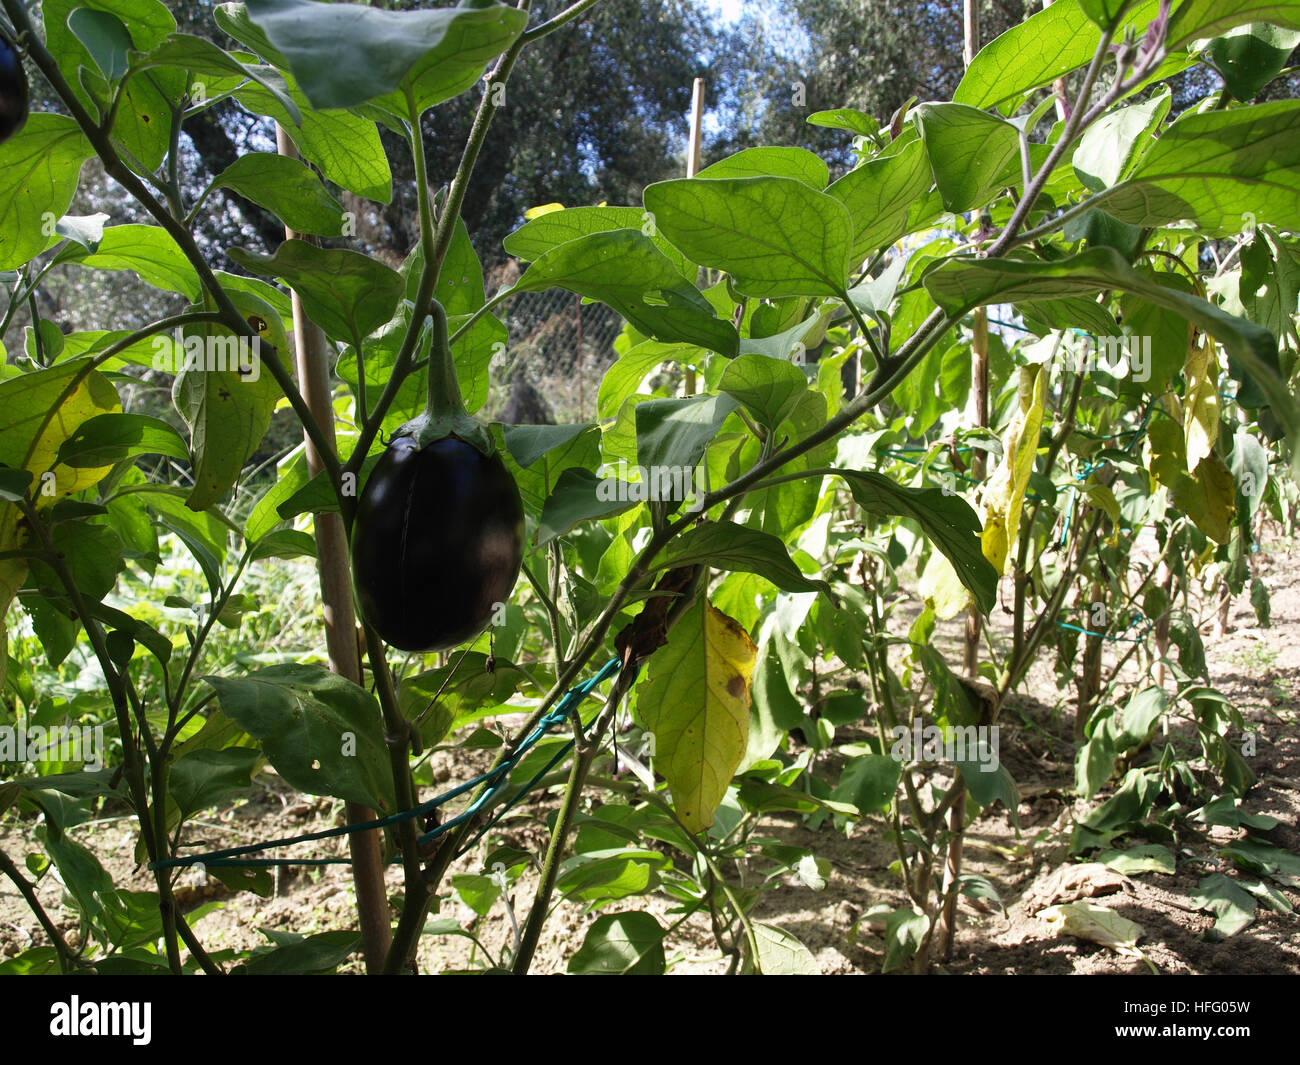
<point>1258,668</point>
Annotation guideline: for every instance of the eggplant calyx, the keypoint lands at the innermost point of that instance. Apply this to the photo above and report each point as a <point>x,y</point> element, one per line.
<point>445,414</point>
<point>429,428</point>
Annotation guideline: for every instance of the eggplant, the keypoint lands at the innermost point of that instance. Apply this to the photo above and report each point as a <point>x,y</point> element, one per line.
<point>438,534</point>
<point>13,88</point>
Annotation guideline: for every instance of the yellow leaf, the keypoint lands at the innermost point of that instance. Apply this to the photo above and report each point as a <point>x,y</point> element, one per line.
<point>940,585</point>
<point>695,700</point>
<point>546,208</point>
<point>1096,924</point>
<point>38,412</point>
<point>1004,498</point>
<point>1201,402</point>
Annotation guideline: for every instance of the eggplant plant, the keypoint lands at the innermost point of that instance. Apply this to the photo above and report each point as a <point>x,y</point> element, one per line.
<point>739,552</point>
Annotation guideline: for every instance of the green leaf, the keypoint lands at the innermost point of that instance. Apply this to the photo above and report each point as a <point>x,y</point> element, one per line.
<point>796,163</point>
<point>1110,145</point>
<point>1265,859</point>
<point>774,235</point>
<point>848,119</point>
<point>725,545</point>
<point>227,402</point>
<point>550,451</point>
<point>538,235</point>
<point>869,782</point>
<point>579,495</point>
<point>287,188</point>
<point>479,893</point>
<point>627,272</point>
<point>781,954</point>
<point>947,521</point>
<point>149,252</point>
<point>39,173</point>
<point>1204,18</point>
<point>202,59</point>
<point>1105,13</point>
<point>1233,907</point>
<point>320,731</point>
<point>1249,57</point>
<point>342,291</point>
<point>674,433</point>
<point>346,148</point>
<point>695,698</point>
<point>203,778</point>
<point>621,944</point>
<point>1046,46</point>
<point>320,953</point>
<point>969,151</point>
<point>1224,170</point>
<point>439,53</point>
<point>964,283</point>
<point>284,543</point>
<point>987,788</point>
<point>769,388</point>
<point>110,438</point>
<point>105,38</point>
<point>880,194</point>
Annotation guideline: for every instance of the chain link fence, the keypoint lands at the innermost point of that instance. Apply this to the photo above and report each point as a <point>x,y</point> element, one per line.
<point>558,351</point>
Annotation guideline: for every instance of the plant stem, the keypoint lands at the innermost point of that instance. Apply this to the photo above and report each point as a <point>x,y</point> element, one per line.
<point>66,955</point>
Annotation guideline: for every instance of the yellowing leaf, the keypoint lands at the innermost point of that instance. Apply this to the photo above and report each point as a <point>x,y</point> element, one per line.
<point>38,412</point>
<point>940,585</point>
<point>1207,496</point>
<point>1201,402</point>
<point>695,699</point>
<point>546,208</point>
<point>1004,498</point>
<point>1096,924</point>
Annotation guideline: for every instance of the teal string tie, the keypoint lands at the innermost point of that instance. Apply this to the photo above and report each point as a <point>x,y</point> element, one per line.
<point>497,779</point>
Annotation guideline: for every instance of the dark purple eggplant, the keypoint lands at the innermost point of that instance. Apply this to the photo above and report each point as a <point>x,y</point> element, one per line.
<point>13,89</point>
<point>438,535</point>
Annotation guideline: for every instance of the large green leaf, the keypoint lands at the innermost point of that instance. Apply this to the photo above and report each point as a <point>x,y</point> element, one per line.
<point>674,433</point>
<point>879,195</point>
<point>110,438</point>
<point>1225,170</point>
<point>797,163</point>
<point>621,944</point>
<point>1249,57</point>
<point>769,388</point>
<point>540,234</point>
<point>776,236</point>
<point>626,271</point>
<point>204,60</point>
<point>1061,38</point>
<point>345,147</point>
<point>969,152</point>
<point>149,252</point>
<point>320,731</point>
<point>202,778</point>
<point>725,545</point>
<point>962,284</point>
<point>341,290</point>
<point>947,521</point>
<point>580,495</point>
<point>39,171</point>
<point>286,188</point>
<point>439,53</point>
